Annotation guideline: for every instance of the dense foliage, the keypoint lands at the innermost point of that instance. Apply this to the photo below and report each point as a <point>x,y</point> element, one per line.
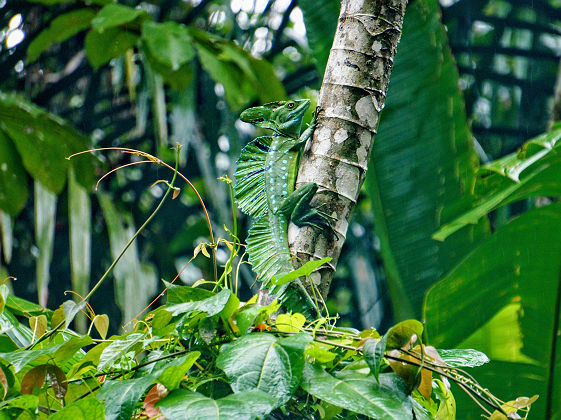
<point>436,236</point>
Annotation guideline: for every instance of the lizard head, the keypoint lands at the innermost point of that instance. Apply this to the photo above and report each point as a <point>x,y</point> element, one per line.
<point>284,117</point>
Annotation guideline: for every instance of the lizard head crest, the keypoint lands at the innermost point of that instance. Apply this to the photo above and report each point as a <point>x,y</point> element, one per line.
<point>284,117</point>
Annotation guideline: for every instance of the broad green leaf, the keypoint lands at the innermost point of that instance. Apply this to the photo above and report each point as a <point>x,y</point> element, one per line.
<point>101,323</point>
<point>102,47</point>
<point>13,332</point>
<point>182,404</point>
<point>27,402</point>
<point>60,29</point>
<point>58,353</point>
<point>321,23</point>
<point>38,325</point>
<point>71,309</point>
<point>360,393</point>
<point>373,351</point>
<point>253,314</point>
<point>302,271</point>
<point>175,370</point>
<point>290,322</point>
<point>84,409</point>
<point>120,398</point>
<point>66,352</point>
<point>320,353</point>
<point>135,282</point>
<point>114,15</point>
<point>44,211</point>
<point>463,357</point>
<point>182,294</point>
<point>423,163</point>
<point>169,43</point>
<point>118,348</point>
<point>501,303</point>
<point>13,179</point>
<point>44,141</point>
<point>266,363</point>
<point>212,305</point>
<point>244,77</point>
<point>400,334</point>
<point>23,307</point>
<point>533,171</point>
<point>79,215</point>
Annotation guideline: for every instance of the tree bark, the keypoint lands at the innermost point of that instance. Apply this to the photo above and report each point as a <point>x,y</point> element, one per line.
<point>351,98</point>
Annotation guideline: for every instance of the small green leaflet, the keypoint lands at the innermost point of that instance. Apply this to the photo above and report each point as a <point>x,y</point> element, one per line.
<point>303,271</point>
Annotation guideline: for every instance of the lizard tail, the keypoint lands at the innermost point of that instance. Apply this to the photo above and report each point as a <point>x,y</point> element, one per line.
<point>268,253</point>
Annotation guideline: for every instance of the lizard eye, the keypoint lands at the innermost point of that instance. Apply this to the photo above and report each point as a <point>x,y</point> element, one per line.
<point>291,105</point>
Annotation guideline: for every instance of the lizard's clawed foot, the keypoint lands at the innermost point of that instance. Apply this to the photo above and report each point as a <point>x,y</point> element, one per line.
<point>320,219</point>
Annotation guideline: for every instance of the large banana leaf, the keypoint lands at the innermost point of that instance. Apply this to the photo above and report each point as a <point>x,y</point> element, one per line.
<point>422,163</point>
<point>504,299</point>
<point>532,171</point>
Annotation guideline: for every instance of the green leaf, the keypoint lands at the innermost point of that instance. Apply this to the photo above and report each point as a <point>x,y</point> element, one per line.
<point>182,294</point>
<point>26,402</point>
<point>118,348</point>
<point>498,306</point>
<point>359,393</point>
<point>182,404</point>
<point>84,409</point>
<point>169,43</point>
<point>212,305</point>
<point>102,47</point>
<point>422,164</point>
<point>66,352</point>
<point>400,334</point>
<point>533,171</point>
<point>463,357</point>
<point>60,29</point>
<point>114,15</point>
<point>373,351</point>
<point>290,322</point>
<point>24,307</point>
<point>101,323</point>
<point>266,363</point>
<point>71,309</point>
<point>302,271</point>
<point>175,370</point>
<point>244,77</point>
<point>58,353</point>
<point>13,179</point>
<point>120,398</point>
<point>44,141</point>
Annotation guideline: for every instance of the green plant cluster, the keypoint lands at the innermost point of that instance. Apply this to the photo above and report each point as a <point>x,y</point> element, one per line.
<point>204,354</point>
<point>207,355</point>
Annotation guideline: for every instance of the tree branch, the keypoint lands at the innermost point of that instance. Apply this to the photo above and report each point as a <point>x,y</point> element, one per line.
<point>352,96</point>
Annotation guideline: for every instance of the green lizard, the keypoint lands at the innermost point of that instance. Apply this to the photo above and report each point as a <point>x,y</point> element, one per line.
<point>265,177</point>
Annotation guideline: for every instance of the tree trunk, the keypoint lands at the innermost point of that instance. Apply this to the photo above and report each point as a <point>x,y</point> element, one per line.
<point>351,98</point>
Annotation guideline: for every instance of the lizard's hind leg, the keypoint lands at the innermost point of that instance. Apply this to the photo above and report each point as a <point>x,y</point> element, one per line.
<point>297,205</point>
